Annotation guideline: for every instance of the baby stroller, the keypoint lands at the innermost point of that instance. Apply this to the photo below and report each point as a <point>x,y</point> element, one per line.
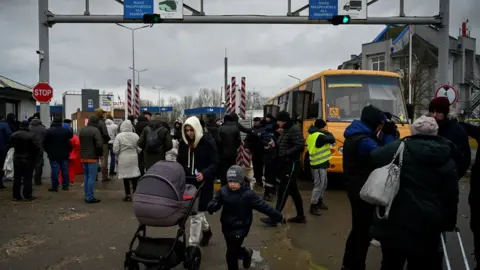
<point>163,199</point>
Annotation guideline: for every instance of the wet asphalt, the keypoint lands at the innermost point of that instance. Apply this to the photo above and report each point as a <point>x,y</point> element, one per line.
<point>60,231</point>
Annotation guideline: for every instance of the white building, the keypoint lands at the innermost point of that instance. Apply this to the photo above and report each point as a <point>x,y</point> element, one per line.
<point>389,51</point>
<point>16,98</point>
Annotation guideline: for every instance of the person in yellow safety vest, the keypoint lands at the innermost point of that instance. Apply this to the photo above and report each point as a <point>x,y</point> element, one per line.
<point>318,143</point>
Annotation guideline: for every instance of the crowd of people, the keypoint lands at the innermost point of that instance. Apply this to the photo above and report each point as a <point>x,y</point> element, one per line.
<point>436,156</point>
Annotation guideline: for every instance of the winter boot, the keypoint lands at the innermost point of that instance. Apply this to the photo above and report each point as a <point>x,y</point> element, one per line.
<point>206,235</point>
<point>321,205</point>
<point>247,258</point>
<point>297,219</point>
<point>315,210</point>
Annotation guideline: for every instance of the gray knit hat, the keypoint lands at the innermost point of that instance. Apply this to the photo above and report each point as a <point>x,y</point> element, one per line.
<point>425,125</point>
<point>235,174</point>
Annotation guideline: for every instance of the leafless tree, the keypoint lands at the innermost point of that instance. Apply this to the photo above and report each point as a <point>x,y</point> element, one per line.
<point>255,100</point>
<point>208,98</point>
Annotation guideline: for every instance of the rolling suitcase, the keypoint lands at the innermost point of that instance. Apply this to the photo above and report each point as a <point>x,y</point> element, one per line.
<point>462,249</point>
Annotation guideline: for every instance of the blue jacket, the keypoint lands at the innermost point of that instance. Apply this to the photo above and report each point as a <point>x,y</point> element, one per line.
<point>237,212</point>
<point>366,145</point>
<point>5,133</point>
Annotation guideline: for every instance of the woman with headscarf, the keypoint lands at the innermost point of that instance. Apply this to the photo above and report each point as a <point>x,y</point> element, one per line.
<point>426,203</point>
<point>198,155</point>
<point>126,149</point>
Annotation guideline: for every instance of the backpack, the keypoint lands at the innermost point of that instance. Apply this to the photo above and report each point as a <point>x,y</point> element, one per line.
<point>383,184</point>
<point>154,142</point>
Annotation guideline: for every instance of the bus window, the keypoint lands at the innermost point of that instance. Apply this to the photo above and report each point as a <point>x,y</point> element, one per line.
<point>317,91</point>
<point>346,95</point>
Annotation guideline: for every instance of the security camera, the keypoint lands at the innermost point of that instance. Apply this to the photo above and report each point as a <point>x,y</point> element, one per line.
<point>41,55</point>
<point>39,52</point>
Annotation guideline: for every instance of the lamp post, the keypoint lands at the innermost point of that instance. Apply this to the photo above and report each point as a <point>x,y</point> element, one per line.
<point>159,89</point>
<point>296,78</point>
<point>133,58</point>
<point>138,73</point>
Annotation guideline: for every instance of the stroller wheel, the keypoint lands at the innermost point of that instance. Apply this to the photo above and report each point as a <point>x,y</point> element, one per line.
<point>193,258</point>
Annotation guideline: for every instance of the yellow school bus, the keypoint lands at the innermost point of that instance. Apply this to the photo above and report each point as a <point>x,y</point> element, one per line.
<point>338,96</point>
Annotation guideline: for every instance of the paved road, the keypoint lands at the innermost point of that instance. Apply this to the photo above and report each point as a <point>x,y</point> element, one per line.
<point>60,231</point>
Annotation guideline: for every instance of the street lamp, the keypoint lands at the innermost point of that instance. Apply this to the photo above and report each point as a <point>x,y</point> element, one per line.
<point>133,58</point>
<point>138,73</point>
<point>158,88</point>
<point>295,78</point>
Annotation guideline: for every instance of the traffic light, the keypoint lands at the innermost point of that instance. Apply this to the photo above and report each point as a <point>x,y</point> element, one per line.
<point>340,19</point>
<point>151,18</point>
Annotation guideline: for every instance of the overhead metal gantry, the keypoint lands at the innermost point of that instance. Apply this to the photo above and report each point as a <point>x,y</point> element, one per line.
<point>47,19</point>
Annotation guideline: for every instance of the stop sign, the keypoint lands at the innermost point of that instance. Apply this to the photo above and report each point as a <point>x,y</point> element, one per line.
<point>42,92</point>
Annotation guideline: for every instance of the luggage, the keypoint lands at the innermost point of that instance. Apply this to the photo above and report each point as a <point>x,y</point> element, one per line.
<point>445,253</point>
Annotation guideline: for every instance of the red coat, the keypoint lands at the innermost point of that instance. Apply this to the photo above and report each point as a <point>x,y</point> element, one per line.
<point>74,163</point>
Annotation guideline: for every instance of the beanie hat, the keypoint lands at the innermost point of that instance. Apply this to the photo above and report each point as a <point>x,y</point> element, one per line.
<point>319,123</point>
<point>283,116</point>
<point>372,116</point>
<point>235,174</point>
<point>425,125</point>
<point>440,105</point>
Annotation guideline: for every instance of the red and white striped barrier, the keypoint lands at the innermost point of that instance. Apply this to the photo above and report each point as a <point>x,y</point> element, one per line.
<point>228,96</point>
<point>244,157</point>
<point>233,96</point>
<point>137,100</point>
<point>129,97</point>
<point>243,99</point>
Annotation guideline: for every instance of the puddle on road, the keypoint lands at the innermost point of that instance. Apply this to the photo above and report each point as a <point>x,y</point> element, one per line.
<point>21,245</point>
<point>258,263</point>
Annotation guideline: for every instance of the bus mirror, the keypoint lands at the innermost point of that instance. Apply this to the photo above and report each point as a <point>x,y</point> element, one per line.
<point>313,112</point>
<point>410,111</point>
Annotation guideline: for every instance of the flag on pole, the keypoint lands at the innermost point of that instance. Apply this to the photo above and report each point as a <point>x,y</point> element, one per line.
<point>119,99</point>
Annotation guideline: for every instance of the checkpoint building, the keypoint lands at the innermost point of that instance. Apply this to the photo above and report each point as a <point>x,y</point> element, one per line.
<point>16,98</point>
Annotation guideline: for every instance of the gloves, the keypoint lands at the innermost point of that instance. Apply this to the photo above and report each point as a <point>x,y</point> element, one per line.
<point>389,128</point>
<point>210,208</point>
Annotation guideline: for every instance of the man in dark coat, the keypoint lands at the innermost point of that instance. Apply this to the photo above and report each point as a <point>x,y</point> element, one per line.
<point>290,147</point>
<point>57,146</point>
<point>106,138</point>
<point>450,129</point>
<point>37,127</point>
<point>142,123</point>
<point>361,138</point>
<point>27,148</point>
<point>230,141</point>
<point>198,155</point>
<point>153,154</point>
<point>5,133</point>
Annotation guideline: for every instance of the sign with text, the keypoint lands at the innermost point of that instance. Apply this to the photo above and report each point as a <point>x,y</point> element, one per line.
<point>326,9</point>
<point>42,92</point>
<point>135,9</point>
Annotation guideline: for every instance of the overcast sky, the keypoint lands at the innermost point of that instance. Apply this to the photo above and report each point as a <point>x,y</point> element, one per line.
<point>183,58</point>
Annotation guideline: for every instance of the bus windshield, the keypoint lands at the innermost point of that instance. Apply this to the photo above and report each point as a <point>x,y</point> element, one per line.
<point>346,95</point>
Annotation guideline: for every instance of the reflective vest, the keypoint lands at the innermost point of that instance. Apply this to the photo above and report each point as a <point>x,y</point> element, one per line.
<point>317,155</point>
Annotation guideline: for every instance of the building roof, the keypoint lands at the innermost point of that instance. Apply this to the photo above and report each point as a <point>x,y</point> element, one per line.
<point>9,83</point>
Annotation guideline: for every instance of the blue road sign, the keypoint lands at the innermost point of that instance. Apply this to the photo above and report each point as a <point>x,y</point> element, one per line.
<point>153,109</point>
<point>135,9</point>
<point>322,9</point>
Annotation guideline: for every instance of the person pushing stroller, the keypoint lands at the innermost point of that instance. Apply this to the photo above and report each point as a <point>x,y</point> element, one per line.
<point>238,201</point>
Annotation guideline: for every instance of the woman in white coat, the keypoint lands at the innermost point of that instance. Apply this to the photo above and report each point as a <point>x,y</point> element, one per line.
<point>126,149</point>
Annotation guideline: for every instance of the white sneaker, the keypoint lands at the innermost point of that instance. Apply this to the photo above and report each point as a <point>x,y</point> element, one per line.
<point>375,243</point>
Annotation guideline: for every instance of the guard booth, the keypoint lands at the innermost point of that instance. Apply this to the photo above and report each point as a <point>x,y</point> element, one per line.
<point>207,114</point>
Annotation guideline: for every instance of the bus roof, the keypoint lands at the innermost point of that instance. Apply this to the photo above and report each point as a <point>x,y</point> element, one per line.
<point>335,72</point>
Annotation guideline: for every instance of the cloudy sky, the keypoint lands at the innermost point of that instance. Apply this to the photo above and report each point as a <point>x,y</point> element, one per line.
<point>183,58</point>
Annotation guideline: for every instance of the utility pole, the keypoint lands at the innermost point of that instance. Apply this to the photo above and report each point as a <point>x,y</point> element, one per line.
<point>444,43</point>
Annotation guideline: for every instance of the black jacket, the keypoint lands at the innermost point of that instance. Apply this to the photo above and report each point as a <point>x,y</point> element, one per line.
<point>291,142</point>
<point>230,139</point>
<point>453,131</point>
<point>426,203</point>
<point>91,141</point>
<point>474,195</point>
<point>204,159</point>
<point>26,146</point>
<point>57,142</point>
<point>237,216</point>
<point>141,124</point>
<point>38,129</point>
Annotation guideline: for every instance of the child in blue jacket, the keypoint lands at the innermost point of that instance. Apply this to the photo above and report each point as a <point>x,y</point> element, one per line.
<point>238,202</point>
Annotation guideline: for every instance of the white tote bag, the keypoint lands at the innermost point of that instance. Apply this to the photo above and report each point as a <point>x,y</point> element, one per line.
<point>383,183</point>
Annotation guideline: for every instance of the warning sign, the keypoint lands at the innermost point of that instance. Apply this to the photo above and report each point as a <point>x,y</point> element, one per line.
<point>333,111</point>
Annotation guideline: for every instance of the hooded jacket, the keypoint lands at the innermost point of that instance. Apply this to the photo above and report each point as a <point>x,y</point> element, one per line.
<point>142,122</point>
<point>57,142</point>
<point>37,127</point>
<point>91,141</point>
<point>177,129</point>
<point>156,124</point>
<point>291,142</point>
<point>102,127</point>
<point>230,140</point>
<point>426,203</point>
<point>26,145</point>
<point>111,129</point>
<point>126,148</point>
<point>199,156</point>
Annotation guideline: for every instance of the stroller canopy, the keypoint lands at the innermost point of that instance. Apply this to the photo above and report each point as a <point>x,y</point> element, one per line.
<point>164,179</point>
